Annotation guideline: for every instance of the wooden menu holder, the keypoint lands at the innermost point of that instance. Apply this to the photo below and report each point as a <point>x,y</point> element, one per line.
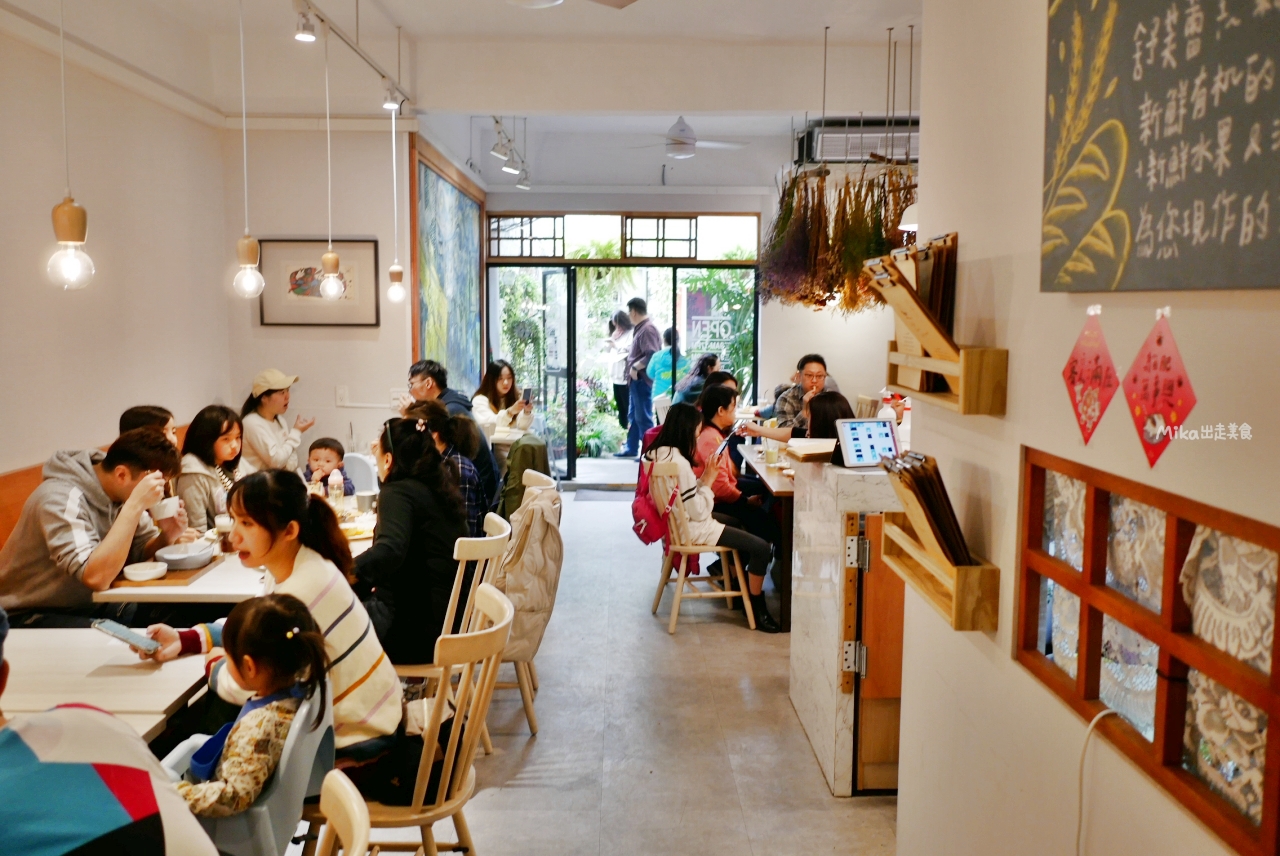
<point>977,378</point>
<point>966,596</point>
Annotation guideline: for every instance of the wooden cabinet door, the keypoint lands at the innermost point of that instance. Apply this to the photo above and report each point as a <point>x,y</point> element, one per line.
<point>880,692</point>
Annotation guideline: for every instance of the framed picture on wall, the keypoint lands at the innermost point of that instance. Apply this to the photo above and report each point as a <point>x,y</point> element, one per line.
<point>447,214</point>
<point>292,294</point>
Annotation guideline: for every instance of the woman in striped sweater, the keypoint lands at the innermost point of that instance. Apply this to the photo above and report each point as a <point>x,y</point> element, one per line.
<point>297,539</point>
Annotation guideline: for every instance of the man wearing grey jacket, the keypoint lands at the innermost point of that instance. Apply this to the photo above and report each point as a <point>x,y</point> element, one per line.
<point>82,525</point>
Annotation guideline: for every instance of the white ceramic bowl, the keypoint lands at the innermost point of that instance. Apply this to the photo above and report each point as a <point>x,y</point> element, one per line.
<point>183,556</point>
<point>165,508</point>
<point>141,572</point>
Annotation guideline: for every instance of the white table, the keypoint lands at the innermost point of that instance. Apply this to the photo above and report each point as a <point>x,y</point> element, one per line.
<point>52,667</point>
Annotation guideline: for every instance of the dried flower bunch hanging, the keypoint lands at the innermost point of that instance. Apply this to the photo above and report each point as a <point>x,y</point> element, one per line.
<point>821,236</point>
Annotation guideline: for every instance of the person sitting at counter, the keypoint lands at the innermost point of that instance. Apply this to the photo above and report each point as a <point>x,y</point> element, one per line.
<point>792,407</point>
<point>824,409</point>
<point>677,443</point>
<point>747,507</point>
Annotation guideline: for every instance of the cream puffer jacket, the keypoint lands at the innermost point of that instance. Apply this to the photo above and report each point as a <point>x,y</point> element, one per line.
<point>529,573</point>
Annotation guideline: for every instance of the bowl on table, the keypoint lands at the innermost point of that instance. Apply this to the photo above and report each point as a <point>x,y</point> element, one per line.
<point>186,556</point>
<point>141,572</point>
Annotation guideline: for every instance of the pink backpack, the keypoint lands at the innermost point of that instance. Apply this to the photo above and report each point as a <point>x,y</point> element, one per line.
<point>650,524</point>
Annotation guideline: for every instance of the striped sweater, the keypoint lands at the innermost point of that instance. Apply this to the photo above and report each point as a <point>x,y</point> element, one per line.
<point>366,689</point>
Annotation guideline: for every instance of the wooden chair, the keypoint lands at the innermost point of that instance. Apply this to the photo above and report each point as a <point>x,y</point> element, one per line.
<point>346,817</point>
<point>476,655</point>
<point>866,408</point>
<point>663,485</point>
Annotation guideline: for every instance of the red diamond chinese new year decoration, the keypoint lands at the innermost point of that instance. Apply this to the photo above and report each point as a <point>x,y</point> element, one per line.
<point>1157,390</point>
<point>1090,376</point>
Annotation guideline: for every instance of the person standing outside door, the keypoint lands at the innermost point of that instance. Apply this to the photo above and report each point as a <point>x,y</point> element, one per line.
<point>645,342</point>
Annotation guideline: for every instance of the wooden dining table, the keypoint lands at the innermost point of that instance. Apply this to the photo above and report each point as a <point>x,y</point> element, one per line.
<point>782,487</point>
<point>49,667</point>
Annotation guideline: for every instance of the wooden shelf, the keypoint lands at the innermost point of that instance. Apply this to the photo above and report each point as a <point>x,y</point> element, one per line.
<point>977,378</point>
<point>966,596</point>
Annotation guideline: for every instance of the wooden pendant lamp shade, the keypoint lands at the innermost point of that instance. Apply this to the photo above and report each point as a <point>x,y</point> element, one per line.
<point>329,262</point>
<point>247,251</point>
<point>397,274</point>
<point>70,222</point>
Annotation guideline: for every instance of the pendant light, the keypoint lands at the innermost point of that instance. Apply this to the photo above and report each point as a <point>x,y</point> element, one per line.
<point>395,291</point>
<point>331,285</point>
<point>69,266</point>
<point>522,182</point>
<point>248,282</point>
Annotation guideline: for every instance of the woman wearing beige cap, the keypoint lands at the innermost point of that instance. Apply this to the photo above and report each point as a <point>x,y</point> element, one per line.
<point>269,442</point>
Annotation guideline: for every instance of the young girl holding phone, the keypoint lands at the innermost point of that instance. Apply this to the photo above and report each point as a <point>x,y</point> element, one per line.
<point>274,650</point>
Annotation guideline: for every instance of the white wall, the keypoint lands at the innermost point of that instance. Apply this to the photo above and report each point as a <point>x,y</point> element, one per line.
<point>151,328</point>
<point>989,754</point>
<point>287,199</point>
<point>854,346</point>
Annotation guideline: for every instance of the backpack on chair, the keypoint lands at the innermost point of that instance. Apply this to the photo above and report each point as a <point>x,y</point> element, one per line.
<point>650,524</point>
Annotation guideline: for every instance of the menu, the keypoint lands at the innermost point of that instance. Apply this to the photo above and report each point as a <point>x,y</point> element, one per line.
<point>1162,145</point>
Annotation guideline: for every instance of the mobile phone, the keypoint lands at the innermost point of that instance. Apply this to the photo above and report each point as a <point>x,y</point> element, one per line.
<point>724,444</point>
<point>528,394</point>
<point>124,634</point>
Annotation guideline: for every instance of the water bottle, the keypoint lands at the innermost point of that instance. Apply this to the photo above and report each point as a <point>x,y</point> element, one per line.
<point>336,489</point>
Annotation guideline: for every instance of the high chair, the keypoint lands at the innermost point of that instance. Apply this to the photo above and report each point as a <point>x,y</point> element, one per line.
<point>663,486</point>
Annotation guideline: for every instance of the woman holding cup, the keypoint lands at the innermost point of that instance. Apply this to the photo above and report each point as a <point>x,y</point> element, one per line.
<point>210,463</point>
<point>269,442</point>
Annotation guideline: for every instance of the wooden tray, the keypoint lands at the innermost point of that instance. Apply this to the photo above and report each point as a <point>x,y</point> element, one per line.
<point>173,578</point>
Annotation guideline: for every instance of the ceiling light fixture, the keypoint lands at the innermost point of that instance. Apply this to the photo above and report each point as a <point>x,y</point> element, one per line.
<point>910,221</point>
<point>522,182</point>
<point>306,31</point>
<point>395,291</point>
<point>514,164</point>
<point>501,149</point>
<point>248,282</point>
<point>331,285</point>
<point>69,266</point>
<point>391,101</point>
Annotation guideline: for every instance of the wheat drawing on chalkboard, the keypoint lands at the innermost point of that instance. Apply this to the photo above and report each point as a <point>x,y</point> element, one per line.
<point>1085,238</point>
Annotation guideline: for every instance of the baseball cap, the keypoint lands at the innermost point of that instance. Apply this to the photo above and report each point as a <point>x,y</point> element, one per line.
<point>270,379</point>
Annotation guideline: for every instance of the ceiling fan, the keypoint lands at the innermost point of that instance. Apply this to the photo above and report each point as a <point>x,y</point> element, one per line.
<point>682,143</point>
<point>546,4</point>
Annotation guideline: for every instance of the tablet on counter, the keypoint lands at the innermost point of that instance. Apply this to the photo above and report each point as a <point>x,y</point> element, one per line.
<point>865,441</point>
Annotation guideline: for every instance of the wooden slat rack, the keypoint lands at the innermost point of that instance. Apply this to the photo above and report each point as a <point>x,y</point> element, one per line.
<point>966,596</point>
<point>976,378</point>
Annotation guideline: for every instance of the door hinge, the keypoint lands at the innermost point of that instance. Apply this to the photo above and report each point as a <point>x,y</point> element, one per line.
<point>855,658</point>
<point>857,552</point>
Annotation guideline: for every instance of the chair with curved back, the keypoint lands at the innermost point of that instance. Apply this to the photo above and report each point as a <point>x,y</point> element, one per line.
<point>664,488</point>
<point>346,817</point>
<point>475,656</point>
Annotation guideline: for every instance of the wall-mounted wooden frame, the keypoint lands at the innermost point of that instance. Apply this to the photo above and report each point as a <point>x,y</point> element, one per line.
<point>1180,649</point>
<point>442,281</point>
<point>291,298</point>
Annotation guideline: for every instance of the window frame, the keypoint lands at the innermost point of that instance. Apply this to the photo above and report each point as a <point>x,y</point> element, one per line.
<point>1170,630</point>
<point>623,260</point>
<point>495,237</point>
<point>660,239</point>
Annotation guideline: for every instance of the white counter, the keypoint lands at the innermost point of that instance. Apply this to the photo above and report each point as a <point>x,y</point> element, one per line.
<point>824,494</point>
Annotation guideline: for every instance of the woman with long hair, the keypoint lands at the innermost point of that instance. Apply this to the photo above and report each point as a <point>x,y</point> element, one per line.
<point>410,567</point>
<point>677,443</point>
<point>615,349</point>
<point>497,403</point>
<point>295,536</point>
<point>210,462</point>
<point>692,384</point>
<point>824,409</point>
<point>269,442</point>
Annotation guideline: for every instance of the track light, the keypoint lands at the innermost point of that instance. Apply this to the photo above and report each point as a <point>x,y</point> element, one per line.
<point>522,183</point>
<point>391,101</point>
<point>306,31</point>
<point>513,165</point>
<point>501,149</point>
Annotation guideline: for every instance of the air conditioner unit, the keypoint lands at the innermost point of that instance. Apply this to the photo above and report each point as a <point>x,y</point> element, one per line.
<point>860,140</point>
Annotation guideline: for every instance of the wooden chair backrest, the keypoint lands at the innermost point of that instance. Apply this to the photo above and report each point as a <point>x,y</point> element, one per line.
<point>486,552</point>
<point>16,486</point>
<point>866,407</point>
<point>664,483</point>
<point>475,656</point>
<point>346,816</point>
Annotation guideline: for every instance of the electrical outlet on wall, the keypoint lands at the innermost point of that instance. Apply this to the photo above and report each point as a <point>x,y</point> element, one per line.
<point>341,396</point>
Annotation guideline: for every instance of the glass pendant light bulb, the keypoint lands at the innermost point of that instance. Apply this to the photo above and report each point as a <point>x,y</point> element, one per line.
<point>395,292</point>
<point>332,287</point>
<point>248,282</point>
<point>70,267</point>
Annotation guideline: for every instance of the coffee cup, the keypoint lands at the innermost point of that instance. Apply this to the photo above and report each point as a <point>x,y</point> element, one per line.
<point>165,508</point>
<point>364,500</point>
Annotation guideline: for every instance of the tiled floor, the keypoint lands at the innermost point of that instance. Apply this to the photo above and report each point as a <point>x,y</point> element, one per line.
<point>606,471</point>
<point>651,743</point>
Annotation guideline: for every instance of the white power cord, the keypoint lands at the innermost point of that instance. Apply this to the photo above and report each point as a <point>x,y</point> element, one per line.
<point>1080,791</point>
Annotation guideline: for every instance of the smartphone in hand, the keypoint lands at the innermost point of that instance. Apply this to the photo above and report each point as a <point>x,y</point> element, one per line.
<point>528,395</point>
<point>124,634</point>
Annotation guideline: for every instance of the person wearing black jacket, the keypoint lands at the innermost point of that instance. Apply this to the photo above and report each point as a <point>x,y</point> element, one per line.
<point>406,577</point>
<point>429,380</point>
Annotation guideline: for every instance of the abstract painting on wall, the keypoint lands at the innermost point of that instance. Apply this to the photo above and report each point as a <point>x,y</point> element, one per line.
<point>448,325</point>
<point>292,296</point>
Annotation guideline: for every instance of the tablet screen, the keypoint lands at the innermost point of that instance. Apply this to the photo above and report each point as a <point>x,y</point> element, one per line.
<point>865,441</point>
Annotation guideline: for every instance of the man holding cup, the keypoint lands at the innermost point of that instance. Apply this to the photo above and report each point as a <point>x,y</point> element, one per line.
<point>85,522</point>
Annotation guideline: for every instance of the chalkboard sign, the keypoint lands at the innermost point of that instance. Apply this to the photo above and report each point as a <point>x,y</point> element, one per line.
<point>1162,145</point>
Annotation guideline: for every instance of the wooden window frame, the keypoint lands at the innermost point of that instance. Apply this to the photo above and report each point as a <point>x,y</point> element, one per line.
<point>660,240</point>
<point>526,224</point>
<point>1170,630</point>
